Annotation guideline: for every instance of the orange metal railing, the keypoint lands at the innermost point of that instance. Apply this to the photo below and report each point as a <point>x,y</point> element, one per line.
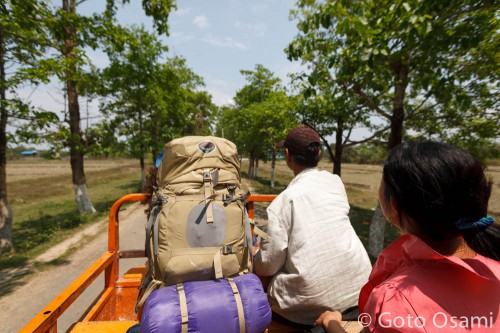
<point>46,320</point>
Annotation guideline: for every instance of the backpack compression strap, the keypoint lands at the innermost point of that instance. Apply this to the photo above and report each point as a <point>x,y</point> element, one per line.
<point>218,265</point>
<point>209,191</point>
<point>239,305</point>
<point>183,306</point>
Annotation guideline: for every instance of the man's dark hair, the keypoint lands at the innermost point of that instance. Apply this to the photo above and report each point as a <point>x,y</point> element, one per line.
<point>308,158</point>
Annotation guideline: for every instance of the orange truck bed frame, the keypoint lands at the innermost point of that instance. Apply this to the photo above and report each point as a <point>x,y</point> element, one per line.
<point>113,309</point>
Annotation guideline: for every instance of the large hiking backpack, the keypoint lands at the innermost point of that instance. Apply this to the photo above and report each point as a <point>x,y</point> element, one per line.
<point>198,228</point>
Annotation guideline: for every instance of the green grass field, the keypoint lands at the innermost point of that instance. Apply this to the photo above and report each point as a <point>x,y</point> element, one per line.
<point>44,211</point>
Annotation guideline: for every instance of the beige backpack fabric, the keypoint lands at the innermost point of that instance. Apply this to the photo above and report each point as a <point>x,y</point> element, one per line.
<point>198,228</point>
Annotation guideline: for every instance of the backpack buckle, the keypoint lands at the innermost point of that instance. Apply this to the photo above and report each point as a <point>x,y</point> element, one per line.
<point>227,249</point>
<point>207,177</point>
<point>227,199</point>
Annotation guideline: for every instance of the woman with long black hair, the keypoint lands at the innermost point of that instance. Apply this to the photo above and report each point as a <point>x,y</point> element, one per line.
<point>443,274</point>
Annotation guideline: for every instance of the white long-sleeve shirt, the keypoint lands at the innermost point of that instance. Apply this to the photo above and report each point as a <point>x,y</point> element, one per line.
<point>314,255</point>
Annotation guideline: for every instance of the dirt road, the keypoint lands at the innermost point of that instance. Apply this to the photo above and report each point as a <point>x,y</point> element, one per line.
<point>39,289</point>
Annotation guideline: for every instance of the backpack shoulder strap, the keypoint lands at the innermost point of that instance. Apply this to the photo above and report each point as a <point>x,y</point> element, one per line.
<point>152,224</point>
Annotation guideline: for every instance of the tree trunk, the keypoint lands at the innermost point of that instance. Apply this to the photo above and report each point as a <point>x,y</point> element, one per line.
<point>398,114</point>
<point>250,166</point>
<point>75,142</point>
<point>256,169</point>
<point>141,158</point>
<point>143,174</point>
<point>377,231</point>
<point>154,155</point>
<point>82,199</point>
<point>337,164</point>
<point>330,152</point>
<point>6,245</point>
<point>273,167</point>
<point>5,211</point>
<point>377,225</point>
<point>337,159</point>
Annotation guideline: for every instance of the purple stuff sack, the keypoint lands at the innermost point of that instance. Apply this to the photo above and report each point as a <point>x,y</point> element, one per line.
<point>211,307</point>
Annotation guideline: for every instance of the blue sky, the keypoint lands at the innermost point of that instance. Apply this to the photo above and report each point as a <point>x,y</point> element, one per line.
<point>220,38</point>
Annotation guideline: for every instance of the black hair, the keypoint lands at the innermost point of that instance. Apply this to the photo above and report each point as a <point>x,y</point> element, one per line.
<point>437,185</point>
<point>308,158</point>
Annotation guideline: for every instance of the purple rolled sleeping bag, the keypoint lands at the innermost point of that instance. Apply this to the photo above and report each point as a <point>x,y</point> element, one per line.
<point>211,307</point>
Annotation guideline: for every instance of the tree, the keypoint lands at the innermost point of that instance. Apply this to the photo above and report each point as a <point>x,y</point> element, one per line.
<point>261,85</point>
<point>128,87</point>
<point>67,29</point>
<point>329,109</point>
<point>71,33</point>
<point>27,30</point>
<point>151,100</point>
<point>416,64</point>
<point>202,114</point>
<point>102,140</point>
<point>273,119</point>
<point>22,42</point>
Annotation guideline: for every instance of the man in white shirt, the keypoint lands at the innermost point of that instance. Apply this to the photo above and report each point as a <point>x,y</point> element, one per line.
<point>315,259</point>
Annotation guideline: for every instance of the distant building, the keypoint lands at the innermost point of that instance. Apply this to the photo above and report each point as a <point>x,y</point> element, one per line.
<point>29,152</point>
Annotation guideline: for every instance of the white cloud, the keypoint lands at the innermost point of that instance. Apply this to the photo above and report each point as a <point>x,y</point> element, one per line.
<point>201,21</point>
<point>258,29</point>
<point>220,90</point>
<point>220,97</point>
<point>225,42</point>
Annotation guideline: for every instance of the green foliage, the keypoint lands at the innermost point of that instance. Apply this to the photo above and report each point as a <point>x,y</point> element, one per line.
<point>268,123</point>
<point>23,41</point>
<point>159,10</point>
<point>102,141</point>
<point>430,66</point>
<point>63,36</point>
<point>261,82</point>
<point>262,116</point>
<point>151,101</point>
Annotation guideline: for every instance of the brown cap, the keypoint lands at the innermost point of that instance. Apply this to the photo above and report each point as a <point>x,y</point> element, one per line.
<point>298,139</point>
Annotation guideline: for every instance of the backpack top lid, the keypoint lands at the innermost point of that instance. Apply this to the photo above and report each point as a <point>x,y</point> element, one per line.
<point>190,153</point>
